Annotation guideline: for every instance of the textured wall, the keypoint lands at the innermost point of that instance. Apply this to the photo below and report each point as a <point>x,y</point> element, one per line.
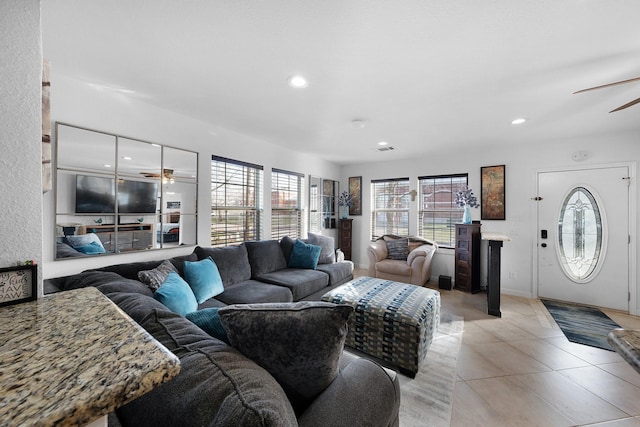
<point>20,132</point>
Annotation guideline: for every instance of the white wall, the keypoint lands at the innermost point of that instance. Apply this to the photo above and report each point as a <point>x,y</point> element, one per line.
<point>522,163</point>
<point>20,133</point>
<point>78,103</point>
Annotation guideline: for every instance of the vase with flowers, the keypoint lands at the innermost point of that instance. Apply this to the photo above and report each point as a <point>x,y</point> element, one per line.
<point>345,201</point>
<point>466,200</point>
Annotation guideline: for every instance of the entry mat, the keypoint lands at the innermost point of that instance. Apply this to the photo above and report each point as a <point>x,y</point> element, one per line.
<point>582,325</point>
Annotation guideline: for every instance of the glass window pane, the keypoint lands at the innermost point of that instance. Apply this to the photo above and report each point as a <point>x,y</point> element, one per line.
<point>579,235</point>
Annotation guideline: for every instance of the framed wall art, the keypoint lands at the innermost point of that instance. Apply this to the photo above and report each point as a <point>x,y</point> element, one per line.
<point>492,196</point>
<point>355,191</point>
<point>18,284</point>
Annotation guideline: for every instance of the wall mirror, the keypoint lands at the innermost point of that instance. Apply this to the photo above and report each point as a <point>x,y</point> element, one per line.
<point>323,198</point>
<point>116,194</point>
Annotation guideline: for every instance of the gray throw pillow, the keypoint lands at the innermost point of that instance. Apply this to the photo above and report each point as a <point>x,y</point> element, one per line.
<point>154,278</point>
<point>300,344</point>
<point>328,254</point>
<point>398,249</point>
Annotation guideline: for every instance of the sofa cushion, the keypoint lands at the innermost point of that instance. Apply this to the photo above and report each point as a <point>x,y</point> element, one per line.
<point>253,291</point>
<point>304,255</point>
<point>106,282</point>
<point>216,385</point>
<point>232,261</point>
<point>300,344</point>
<point>265,256</point>
<point>176,295</point>
<point>204,278</point>
<point>130,270</point>
<point>338,271</point>
<point>327,243</point>
<point>209,321</point>
<point>301,282</point>
<point>153,278</point>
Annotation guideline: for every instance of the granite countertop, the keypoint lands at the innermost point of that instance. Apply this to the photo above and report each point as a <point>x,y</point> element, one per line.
<point>73,357</point>
<point>627,343</point>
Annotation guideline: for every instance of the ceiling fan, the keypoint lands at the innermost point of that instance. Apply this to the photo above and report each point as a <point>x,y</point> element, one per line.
<point>167,175</point>
<point>622,107</point>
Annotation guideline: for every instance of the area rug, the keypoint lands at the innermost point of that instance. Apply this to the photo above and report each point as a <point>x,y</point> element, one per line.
<point>582,325</point>
<point>427,399</point>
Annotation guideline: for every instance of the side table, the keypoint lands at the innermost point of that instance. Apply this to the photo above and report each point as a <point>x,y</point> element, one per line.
<point>493,272</point>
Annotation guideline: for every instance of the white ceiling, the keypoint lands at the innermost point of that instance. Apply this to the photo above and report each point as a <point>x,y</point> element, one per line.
<point>424,74</point>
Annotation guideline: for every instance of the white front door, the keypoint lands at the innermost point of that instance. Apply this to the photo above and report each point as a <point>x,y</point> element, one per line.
<point>583,236</point>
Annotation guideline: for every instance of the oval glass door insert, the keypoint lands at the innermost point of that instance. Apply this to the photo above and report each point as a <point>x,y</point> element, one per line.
<point>580,235</point>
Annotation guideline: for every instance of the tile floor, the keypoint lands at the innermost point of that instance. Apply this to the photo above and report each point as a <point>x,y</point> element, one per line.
<point>520,370</point>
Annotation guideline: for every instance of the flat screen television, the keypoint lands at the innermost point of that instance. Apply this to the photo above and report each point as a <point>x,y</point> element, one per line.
<point>96,194</point>
<point>136,197</point>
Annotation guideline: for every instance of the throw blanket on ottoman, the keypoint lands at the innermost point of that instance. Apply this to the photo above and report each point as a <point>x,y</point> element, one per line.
<point>394,322</point>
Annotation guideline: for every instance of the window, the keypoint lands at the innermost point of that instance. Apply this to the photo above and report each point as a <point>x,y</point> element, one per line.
<point>286,204</point>
<point>438,213</point>
<point>390,207</point>
<point>236,195</point>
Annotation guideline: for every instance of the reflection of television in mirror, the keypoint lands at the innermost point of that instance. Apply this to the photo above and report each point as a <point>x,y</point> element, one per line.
<point>96,194</point>
<point>137,197</point>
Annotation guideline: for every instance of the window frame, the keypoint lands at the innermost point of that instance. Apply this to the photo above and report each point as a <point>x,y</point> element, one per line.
<point>450,213</point>
<point>393,226</point>
<point>249,212</point>
<point>281,214</point>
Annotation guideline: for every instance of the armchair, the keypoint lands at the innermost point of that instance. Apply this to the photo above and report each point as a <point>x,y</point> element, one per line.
<point>401,259</point>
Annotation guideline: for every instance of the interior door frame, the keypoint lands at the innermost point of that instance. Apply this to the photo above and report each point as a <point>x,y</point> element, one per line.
<point>633,284</point>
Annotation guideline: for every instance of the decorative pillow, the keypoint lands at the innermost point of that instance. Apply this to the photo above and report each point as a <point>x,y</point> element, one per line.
<point>204,278</point>
<point>304,255</point>
<point>398,249</point>
<point>286,244</point>
<point>298,343</point>
<point>91,248</point>
<point>84,240</point>
<point>328,254</point>
<point>176,295</point>
<point>208,320</point>
<point>154,278</point>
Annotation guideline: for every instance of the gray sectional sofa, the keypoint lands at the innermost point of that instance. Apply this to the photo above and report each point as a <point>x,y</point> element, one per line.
<point>219,385</point>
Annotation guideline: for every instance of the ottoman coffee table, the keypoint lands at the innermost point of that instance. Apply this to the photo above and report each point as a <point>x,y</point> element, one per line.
<point>393,322</point>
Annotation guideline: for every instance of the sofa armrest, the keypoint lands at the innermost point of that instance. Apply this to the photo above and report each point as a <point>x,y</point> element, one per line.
<point>363,394</point>
<point>422,250</point>
<point>376,251</point>
<point>426,266</point>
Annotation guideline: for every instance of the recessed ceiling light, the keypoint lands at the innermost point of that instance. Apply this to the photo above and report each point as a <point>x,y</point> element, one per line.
<point>298,82</point>
<point>382,143</point>
<point>107,166</point>
<point>127,158</point>
<point>358,123</point>
<point>518,121</point>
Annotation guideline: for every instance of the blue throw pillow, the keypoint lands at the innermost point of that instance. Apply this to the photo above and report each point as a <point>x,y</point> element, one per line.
<point>204,278</point>
<point>91,248</point>
<point>208,320</point>
<point>176,295</point>
<point>304,255</point>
